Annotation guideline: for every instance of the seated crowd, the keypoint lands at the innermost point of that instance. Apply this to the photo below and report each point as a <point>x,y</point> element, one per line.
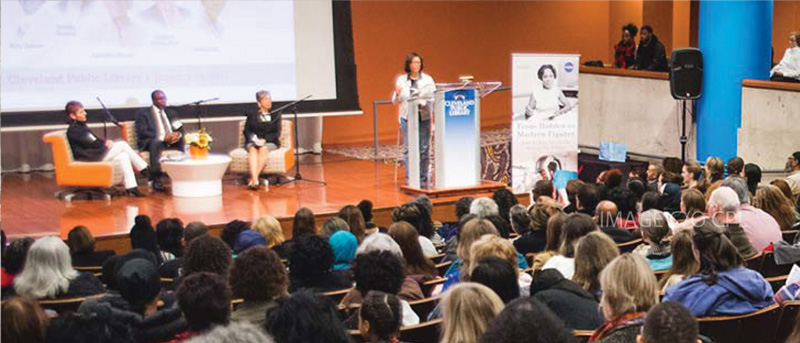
<point>633,261</point>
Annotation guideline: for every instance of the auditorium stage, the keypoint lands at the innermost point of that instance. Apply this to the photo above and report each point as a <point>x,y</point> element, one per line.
<point>30,209</point>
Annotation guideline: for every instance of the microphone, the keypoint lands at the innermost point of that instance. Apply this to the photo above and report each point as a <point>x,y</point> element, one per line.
<point>108,113</point>
<point>198,102</point>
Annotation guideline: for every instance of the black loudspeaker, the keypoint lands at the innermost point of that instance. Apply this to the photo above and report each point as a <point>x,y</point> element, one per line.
<point>686,74</point>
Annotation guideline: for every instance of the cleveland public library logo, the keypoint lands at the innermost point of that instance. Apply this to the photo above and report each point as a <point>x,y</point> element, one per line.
<point>569,67</point>
<point>459,106</point>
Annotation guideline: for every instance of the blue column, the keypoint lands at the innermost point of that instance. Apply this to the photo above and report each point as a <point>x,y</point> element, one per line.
<point>735,38</point>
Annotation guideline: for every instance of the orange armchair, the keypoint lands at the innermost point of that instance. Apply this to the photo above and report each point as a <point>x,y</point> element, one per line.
<point>80,178</point>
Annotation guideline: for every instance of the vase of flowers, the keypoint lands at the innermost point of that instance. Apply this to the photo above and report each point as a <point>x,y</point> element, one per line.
<point>199,143</point>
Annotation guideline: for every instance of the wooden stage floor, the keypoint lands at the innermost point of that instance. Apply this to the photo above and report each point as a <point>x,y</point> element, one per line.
<point>29,207</point>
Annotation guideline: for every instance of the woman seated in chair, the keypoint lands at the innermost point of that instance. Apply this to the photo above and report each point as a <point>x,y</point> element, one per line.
<point>262,132</point>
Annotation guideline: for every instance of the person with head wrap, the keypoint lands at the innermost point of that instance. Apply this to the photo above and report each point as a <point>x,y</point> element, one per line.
<point>344,245</point>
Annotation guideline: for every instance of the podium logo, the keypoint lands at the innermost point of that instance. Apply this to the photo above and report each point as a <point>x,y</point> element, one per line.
<point>459,106</point>
<point>569,67</point>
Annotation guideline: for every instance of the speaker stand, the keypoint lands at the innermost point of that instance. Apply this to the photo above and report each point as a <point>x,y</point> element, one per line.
<point>684,139</point>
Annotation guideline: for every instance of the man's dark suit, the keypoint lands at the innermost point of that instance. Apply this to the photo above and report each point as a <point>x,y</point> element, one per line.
<point>147,133</point>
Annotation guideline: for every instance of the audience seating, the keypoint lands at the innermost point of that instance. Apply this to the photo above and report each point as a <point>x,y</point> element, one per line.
<point>62,306</point>
<point>428,286</point>
<point>90,179</point>
<point>746,328</point>
<point>754,262</point>
<point>337,295</point>
<point>629,246</point>
<point>582,336</point>
<point>96,270</point>
<point>436,258</point>
<point>167,284</point>
<point>424,307</point>
<point>278,161</point>
<point>787,321</point>
<point>660,273</point>
<point>443,267</point>
<point>427,332</point>
<point>235,303</point>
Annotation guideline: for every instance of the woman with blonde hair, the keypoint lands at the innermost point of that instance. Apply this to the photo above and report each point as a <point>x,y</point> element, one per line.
<point>48,273</point>
<point>629,290</point>
<point>491,245</point>
<point>714,174</point>
<point>770,199</point>
<point>592,253</point>
<point>468,309</point>
<point>473,231</point>
<point>270,228</point>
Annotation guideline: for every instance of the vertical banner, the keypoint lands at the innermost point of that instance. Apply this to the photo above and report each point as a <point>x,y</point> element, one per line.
<point>457,141</point>
<point>544,122</point>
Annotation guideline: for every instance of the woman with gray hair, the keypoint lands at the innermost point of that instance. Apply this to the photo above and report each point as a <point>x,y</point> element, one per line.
<point>48,273</point>
<point>262,132</point>
<point>483,207</point>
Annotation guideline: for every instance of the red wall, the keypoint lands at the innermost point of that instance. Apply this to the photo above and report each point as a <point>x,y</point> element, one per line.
<point>478,37</point>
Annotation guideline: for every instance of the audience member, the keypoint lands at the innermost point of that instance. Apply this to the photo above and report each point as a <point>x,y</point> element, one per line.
<point>81,247</point>
<point>23,321</point>
<point>468,309</point>
<point>230,233</point>
<point>588,197</point>
<point>785,189</point>
<point>723,285</point>
<point>492,245</point>
<point>714,172</point>
<point>259,277</point>
<point>136,304</point>
<point>473,230</point>
<point>655,233</point>
<point>143,236</point>
<point>519,219</point>
<point>691,173</point>
<point>788,69</point>
<point>533,238</point>
<point>504,200</point>
<point>684,262</point>
<point>771,200</point>
<point>311,263</point>
<point>723,208</point>
<point>411,214</point>
<point>48,273</point>
<point>497,274</point>
<point>379,242</point>
<point>269,227</point>
<point>672,165</point>
<point>332,225</point>
<point>355,221</point>
<point>305,317</point>
<point>653,173</point>
<point>568,300</point>
<point>451,248</point>
<point>204,299</point>
<point>669,322</point>
<point>194,230</point>
<point>500,224</point>
<point>651,54</point>
<point>554,240</point>
<point>365,206</point>
<point>542,188</point>
<point>575,226</point>
<point>206,254</point>
<point>380,317</point>
<point>651,200</point>
<point>592,253</point>
<point>169,235</point>
<point>526,320</point>
<point>248,239</point>
<point>693,204</point>
<point>417,266</point>
<point>606,218</point>
<point>114,263</point>
<point>625,50</point>
<point>235,332</point>
<point>14,261</point>
<point>344,245</point>
<point>78,328</point>
<point>449,230</point>
<point>761,228</point>
<point>629,290</point>
<point>637,187</point>
<point>572,193</point>
<point>303,223</point>
<point>627,208</point>
<point>793,168</point>
<point>483,207</point>
<point>735,166</point>
<point>752,175</point>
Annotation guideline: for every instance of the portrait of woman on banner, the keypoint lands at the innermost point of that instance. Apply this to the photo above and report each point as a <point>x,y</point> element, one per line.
<point>547,100</point>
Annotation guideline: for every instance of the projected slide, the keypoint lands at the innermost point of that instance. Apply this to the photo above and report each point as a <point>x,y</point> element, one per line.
<point>54,51</point>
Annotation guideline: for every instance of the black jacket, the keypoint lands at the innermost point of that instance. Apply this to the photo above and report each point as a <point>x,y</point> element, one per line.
<point>530,242</point>
<point>270,130</point>
<point>574,305</point>
<point>92,258</point>
<point>147,127</point>
<point>651,56</point>
<point>618,235</point>
<point>84,144</point>
<point>160,327</point>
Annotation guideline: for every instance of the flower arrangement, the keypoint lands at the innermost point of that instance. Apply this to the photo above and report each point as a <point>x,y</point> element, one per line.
<point>199,143</point>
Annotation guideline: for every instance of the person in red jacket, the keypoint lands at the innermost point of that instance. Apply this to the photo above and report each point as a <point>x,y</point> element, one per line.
<point>625,50</point>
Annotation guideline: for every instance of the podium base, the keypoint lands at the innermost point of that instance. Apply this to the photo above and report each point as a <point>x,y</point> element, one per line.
<point>486,186</point>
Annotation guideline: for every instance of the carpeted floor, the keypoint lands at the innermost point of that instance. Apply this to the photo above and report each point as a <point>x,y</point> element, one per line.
<point>495,154</point>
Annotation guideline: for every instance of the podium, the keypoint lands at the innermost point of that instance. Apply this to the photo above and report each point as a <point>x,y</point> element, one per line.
<point>457,139</point>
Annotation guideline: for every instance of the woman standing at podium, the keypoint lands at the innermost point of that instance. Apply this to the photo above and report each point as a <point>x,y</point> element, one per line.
<point>262,132</point>
<point>418,87</point>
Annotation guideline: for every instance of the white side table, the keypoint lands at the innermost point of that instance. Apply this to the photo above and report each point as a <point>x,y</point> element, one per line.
<point>193,178</point>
